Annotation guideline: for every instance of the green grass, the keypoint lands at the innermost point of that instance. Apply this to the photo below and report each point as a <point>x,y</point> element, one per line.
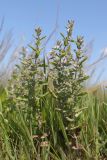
<point>51,140</point>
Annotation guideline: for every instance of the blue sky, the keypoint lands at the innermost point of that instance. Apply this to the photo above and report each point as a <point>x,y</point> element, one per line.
<point>90,17</point>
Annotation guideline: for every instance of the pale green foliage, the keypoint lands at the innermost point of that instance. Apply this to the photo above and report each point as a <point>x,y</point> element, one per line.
<point>67,68</point>
<point>67,73</point>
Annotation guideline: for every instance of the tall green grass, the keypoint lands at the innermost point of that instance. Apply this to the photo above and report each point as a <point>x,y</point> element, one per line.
<point>50,139</point>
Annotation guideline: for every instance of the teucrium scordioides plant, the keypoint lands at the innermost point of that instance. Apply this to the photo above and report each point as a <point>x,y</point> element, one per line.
<point>33,87</point>
<point>66,70</point>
